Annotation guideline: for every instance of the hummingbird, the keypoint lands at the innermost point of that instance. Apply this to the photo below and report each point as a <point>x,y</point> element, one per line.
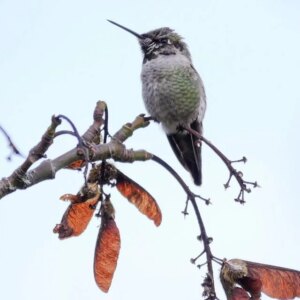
<point>173,93</point>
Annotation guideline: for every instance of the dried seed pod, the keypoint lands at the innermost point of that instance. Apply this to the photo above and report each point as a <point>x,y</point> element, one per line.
<point>138,196</point>
<point>107,249</point>
<point>276,282</point>
<point>131,190</point>
<point>79,213</point>
<point>239,294</point>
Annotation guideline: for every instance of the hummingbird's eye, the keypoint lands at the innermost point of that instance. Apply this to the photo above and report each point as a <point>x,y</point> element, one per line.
<point>165,41</point>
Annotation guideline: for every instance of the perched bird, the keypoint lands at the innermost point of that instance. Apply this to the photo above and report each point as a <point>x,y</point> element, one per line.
<point>173,93</point>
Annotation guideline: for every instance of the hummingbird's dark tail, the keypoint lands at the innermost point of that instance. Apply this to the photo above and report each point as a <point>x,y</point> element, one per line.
<point>187,148</point>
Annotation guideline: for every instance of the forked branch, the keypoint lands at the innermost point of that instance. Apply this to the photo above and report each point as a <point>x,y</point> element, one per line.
<point>89,149</point>
<point>244,185</point>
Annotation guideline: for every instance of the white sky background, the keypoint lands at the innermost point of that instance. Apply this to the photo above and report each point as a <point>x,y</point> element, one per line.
<point>62,56</point>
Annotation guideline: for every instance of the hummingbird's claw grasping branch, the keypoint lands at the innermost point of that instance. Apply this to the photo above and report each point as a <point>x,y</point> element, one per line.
<point>151,119</point>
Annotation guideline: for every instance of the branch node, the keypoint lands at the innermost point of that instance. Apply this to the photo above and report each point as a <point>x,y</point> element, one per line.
<point>185,212</point>
<point>217,260</point>
<point>240,199</point>
<point>21,179</point>
<point>139,122</point>
<point>201,265</point>
<point>255,184</point>
<point>208,286</point>
<point>7,185</point>
<point>206,200</point>
<point>99,111</point>
<point>55,121</point>
<point>243,159</point>
<point>210,240</point>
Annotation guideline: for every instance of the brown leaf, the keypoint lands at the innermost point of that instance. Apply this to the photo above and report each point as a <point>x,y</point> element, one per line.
<point>78,214</point>
<point>138,196</point>
<point>276,282</point>
<point>106,252</point>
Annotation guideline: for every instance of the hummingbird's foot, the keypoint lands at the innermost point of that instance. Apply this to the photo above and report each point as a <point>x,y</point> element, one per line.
<point>150,118</point>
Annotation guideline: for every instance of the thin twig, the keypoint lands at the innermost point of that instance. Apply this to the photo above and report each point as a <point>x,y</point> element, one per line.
<point>102,171</point>
<point>63,132</point>
<point>206,243</point>
<point>13,147</point>
<point>106,132</point>
<point>76,133</point>
<point>178,178</point>
<point>232,171</point>
<point>206,240</point>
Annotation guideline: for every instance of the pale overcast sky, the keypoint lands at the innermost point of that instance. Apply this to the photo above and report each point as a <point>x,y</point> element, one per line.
<point>62,56</point>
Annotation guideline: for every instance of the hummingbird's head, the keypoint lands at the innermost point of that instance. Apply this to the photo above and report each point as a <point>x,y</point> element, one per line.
<point>162,41</point>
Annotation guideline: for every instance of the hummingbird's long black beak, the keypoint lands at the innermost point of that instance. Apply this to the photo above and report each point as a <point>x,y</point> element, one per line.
<point>127,29</point>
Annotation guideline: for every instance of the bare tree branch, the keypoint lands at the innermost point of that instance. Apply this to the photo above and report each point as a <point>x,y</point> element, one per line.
<point>208,284</point>
<point>91,148</point>
<point>21,178</point>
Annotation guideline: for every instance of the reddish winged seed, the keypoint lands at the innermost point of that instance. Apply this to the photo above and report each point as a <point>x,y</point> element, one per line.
<point>138,196</point>
<point>239,294</point>
<point>276,282</point>
<point>106,253</point>
<point>77,216</point>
